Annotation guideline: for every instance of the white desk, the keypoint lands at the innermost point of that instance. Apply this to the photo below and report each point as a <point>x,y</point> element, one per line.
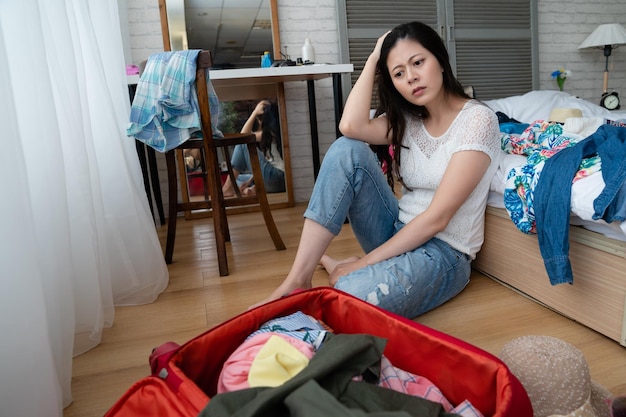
<point>254,83</point>
<point>252,76</point>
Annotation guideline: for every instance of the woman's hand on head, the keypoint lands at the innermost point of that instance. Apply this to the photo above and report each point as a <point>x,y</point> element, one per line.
<point>356,121</point>
<point>260,107</point>
<point>379,45</point>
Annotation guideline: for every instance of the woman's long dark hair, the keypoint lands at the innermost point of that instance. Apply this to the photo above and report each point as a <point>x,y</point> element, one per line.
<point>270,125</point>
<point>391,102</point>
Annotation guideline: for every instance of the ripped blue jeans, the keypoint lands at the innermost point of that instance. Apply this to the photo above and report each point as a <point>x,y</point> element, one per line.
<point>351,184</point>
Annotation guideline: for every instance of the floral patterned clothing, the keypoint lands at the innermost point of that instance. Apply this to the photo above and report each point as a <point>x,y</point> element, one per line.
<point>538,142</point>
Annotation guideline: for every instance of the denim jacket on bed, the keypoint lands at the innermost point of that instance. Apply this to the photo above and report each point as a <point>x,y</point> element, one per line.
<point>553,195</point>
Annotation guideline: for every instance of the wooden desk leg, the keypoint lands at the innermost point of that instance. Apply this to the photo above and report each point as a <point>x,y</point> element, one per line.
<point>315,144</point>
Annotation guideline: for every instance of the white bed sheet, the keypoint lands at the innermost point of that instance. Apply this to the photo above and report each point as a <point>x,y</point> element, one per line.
<point>537,105</point>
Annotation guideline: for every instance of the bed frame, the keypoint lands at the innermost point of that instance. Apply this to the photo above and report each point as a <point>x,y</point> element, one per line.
<point>596,299</point>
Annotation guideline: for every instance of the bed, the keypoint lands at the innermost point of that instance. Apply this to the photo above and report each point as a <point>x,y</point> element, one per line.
<point>597,296</point>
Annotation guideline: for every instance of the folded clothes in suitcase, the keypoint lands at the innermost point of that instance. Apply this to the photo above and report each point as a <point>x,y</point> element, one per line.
<point>185,378</point>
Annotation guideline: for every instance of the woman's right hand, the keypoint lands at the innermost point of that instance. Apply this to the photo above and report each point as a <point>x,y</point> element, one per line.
<point>260,108</point>
<point>379,45</point>
<point>255,117</point>
<point>355,121</point>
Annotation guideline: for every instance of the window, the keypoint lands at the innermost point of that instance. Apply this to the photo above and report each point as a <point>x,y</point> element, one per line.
<point>492,43</point>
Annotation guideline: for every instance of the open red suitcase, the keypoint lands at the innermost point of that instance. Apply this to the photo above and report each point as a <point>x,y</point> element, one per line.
<point>185,377</point>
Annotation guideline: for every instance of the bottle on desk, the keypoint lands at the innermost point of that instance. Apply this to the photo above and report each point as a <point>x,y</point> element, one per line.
<point>266,61</point>
<point>308,53</point>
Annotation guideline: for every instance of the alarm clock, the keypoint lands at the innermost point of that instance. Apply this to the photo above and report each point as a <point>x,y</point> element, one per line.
<point>610,101</point>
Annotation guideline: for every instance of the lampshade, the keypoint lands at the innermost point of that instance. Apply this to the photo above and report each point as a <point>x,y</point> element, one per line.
<point>609,34</point>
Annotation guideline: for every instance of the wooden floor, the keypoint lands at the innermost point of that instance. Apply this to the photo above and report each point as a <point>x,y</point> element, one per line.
<point>486,313</point>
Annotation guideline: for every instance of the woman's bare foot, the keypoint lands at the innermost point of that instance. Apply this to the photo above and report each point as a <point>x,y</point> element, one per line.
<point>284,289</point>
<point>314,241</point>
<point>247,187</point>
<point>227,188</point>
<point>248,191</point>
<point>330,264</point>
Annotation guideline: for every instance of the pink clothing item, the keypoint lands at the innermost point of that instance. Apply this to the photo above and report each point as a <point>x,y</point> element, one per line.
<point>408,383</point>
<point>466,409</point>
<point>235,371</point>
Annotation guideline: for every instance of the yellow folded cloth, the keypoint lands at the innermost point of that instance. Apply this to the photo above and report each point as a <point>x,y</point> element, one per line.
<point>276,362</point>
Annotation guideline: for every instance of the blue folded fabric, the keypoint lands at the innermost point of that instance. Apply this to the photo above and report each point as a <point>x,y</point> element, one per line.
<point>165,110</point>
<point>513,127</point>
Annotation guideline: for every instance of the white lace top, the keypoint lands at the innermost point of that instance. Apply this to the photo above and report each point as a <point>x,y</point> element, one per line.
<point>423,164</point>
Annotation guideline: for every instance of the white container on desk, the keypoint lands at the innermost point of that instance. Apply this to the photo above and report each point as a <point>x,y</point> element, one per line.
<point>308,52</point>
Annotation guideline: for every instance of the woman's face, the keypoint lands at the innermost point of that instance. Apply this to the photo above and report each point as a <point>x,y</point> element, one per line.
<point>415,72</point>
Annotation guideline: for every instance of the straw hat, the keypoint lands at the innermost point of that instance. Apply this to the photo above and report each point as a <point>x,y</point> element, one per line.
<point>560,115</point>
<point>556,377</point>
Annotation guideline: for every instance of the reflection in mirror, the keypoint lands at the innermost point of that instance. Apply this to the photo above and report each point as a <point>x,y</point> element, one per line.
<point>236,32</point>
<point>262,118</point>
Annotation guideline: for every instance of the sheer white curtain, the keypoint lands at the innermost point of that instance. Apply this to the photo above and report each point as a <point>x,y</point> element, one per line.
<point>77,235</point>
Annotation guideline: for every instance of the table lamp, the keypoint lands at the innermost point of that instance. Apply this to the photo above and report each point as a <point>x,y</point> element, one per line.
<point>607,37</point>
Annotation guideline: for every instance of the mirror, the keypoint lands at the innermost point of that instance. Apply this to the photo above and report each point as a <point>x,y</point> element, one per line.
<point>237,32</point>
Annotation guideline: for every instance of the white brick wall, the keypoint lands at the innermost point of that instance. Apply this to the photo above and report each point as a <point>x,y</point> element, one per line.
<point>563,25</point>
<point>296,23</point>
<point>144,22</point>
